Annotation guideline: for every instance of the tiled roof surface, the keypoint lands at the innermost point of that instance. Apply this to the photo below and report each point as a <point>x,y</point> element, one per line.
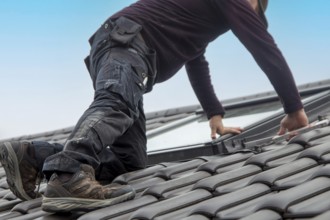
<point>288,180</point>
<point>249,179</point>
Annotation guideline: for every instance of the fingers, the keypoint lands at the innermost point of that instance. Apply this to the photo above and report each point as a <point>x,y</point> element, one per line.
<point>282,130</point>
<point>226,130</point>
<point>213,133</point>
<point>232,130</point>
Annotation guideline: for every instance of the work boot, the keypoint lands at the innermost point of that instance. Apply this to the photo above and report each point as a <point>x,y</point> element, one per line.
<point>22,161</point>
<point>82,192</point>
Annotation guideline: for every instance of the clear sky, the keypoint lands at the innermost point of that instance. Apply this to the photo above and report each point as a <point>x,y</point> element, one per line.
<point>44,84</point>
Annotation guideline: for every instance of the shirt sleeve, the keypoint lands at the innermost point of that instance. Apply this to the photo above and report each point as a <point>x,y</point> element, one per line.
<point>252,32</point>
<point>200,79</point>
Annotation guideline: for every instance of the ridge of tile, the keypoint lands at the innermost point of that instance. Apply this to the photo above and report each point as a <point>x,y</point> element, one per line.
<point>323,216</point>
<point>281,201</point>
<point>128,177</point>
<point>8,204</point>
<point>244,209</point>
<point>262,215</point>
<point>119,209</point>
<point>38,213</point>
<point>230,187</point>
<point>167,172</point>
<point>176,214</point>
<point>211,183</point>
<point>142,184</point>
<point>211,206</point>
<point>281,161</point>
<point>196,217</point>
<point>158,190</point>
<point>296,179</point>
<point>270,176</point>
<point>215,164</point>
<point>316,152</point>
<point>263,158</point>
<point>172,204</point>
<point>310,207</point>
<point>25,206</point>
<point>10,215</point>
<point>323,171</point>
<point>306,138</point>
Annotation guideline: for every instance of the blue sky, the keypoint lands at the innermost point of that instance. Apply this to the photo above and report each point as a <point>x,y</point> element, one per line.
<point>44,84</point>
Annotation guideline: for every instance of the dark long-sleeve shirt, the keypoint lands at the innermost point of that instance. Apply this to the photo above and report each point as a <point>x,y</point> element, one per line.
<point>180,30</point>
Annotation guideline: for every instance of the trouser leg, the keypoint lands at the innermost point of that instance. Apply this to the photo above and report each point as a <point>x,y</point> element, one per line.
<point>127,153</point>
<point>114,110</point>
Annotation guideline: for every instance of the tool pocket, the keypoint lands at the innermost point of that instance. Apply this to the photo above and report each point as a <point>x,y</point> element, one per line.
<point>124,31</point>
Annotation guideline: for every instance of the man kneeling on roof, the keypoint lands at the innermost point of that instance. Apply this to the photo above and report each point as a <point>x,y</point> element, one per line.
<point>139,46</point>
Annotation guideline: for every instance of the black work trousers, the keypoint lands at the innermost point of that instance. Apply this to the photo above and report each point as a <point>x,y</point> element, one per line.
<point>110,135</point>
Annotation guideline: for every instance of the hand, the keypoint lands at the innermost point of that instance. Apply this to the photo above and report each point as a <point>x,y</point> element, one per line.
<point>293,121</point>
<point>218,128</point>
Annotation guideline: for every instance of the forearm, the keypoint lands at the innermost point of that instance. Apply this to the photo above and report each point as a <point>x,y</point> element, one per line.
<point>198,73</point>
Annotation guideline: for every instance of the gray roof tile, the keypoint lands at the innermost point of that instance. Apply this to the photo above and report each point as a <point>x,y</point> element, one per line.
<point>269,177</point>
<point>281,201</point>
<point>211,206</point>
<point>263,159</point>
<point>281,181</point>
<point>160,189</point>
<point>172,204</point>
<point>263,214</point>
<point>215,181</point>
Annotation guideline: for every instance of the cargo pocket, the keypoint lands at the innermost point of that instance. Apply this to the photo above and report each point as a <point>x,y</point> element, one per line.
<point>124,31</point>
<point>120,78</point>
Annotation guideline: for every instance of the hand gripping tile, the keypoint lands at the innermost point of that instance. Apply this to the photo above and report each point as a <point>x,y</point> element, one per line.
<point>211,183</point>
<point>215,164</point>
<point>263,158</point>
<point>283,200</point>
<point>270,176</point>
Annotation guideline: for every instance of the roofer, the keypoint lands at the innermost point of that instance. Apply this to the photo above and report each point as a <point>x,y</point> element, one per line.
<point>139,46</point>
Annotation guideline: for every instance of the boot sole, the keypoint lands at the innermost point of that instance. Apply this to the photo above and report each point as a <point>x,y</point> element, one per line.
<point>9,162</point>
<point>68,204</point>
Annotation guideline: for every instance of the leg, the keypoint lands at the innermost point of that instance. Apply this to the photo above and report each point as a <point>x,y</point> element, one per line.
<point>128,153</point>
<point>114,110</point>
